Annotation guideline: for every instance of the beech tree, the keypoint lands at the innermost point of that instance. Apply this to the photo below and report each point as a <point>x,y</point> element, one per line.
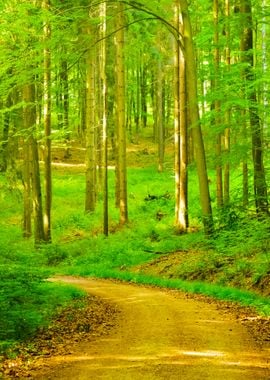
<point>180,130</point>
<point>121,170</point>
<point>90,124</point>
<point>47,122</point>
<point>60,66</point>
<point>260,187</point>
<point>193,108</point>
<point>103,114</point>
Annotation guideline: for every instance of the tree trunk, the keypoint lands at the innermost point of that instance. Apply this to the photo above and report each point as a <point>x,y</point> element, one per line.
<point>90,173</point>
<point>260,187</point>
<point>103,114</point>
<point>159,113</point>
<point>191,83</point>
<point>26,178</point>
<point>120,114</point>
<point>32,156</point>
<point>219,184</point>
<point>4,139</point>
<point>180,133</point>
<point>47,127</point>
<point>143,95</point>
<point>227,135</point>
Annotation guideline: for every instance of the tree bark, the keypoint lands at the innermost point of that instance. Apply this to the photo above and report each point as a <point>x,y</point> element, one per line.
<point>227,134</point>
<point>33,167</point>
<point>120,114</point>
<point>219,184</point>
<point>90,160</point>
<point>103,115</point>
<point>180,133</point>
<point>159,113</point>
<point>5,135</point>
<point>246,44</point>
<point>27,194</point>
<point>47,126</point>
<point>191,75</point>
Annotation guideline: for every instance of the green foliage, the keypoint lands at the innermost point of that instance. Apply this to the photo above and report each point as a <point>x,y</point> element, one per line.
<point>236,256</point>
<point>53,254</point>
<point>27,302</point>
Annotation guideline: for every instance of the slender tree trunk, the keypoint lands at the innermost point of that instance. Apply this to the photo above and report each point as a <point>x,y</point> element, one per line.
<point>103,113</point>
<point>59,97</point>
<point>180,133</point>
<point>260,187</point>
<point>143,95</point>
<point>65,103</point>
<point>138,101</point>
<point>37,196</point>
<point>65,93</point>
<point>159,113</point>
<point>27,194</point>
<point>32,156</point>
<point>219,184</point>
<point>47,127</point>
<point>120,113</point>
<point>90,196</point>
<point>191,75</point>
<point>227,135</point>
<point>4,139</point>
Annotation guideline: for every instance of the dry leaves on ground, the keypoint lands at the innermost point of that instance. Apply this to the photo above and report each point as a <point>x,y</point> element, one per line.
<point>83,320</point>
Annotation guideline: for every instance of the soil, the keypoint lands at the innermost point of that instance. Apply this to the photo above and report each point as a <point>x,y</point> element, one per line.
<point>137,332</point>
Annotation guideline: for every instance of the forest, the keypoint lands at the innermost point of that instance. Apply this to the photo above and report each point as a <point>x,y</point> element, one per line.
<point>134,145</point>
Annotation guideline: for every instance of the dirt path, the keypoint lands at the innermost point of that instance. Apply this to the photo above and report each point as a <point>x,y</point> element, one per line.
<point>162,336</point>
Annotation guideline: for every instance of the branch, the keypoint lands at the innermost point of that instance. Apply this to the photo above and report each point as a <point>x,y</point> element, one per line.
<point>142,8</point>
<point>107,36</point>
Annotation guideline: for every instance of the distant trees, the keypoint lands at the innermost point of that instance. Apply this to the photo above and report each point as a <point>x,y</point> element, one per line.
<point>102,73</point>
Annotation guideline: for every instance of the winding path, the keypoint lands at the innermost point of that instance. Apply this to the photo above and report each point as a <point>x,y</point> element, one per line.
<point>161,336</point>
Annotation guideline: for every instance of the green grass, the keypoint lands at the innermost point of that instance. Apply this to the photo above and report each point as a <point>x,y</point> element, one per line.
<point>233,261</point>
<point>244,298</point>
<point>28,302</point>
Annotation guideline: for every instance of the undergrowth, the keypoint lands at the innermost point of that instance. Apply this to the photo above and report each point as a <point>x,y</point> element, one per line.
<point>237,256</point>
<point>28,302</point>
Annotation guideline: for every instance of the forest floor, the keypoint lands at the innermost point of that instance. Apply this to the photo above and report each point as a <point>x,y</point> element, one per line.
<point>129,331</point>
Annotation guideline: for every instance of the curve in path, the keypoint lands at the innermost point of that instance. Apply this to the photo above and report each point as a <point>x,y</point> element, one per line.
<point>160,336</point>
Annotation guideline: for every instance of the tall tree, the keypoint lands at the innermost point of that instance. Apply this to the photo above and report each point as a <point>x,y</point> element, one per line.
<point>180,131</point>
<point>103,115</point>
<point>160,117</point>
<point>193,109</point>
<point>260,187</point>
<point>90,196</point>
<point>227,134</point>
<point>32,177</point>
<point>120,113</point>
<point>5,135</point>
<point>47,122</point>
<point>216,106</point>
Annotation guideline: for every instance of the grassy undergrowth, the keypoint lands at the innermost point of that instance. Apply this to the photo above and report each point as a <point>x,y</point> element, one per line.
<point>234,264</point>
<point>28,302</point>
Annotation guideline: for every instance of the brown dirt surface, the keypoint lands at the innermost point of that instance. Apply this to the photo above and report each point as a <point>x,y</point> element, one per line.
<point>84,319</point>
<point>149,333</point>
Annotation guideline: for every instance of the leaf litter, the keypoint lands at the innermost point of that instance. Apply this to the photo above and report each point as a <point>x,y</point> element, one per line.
<point>85,319</point>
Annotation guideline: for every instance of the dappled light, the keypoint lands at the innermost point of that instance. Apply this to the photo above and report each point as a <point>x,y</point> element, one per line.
<point>154,334</point>
<point>134,190</point>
